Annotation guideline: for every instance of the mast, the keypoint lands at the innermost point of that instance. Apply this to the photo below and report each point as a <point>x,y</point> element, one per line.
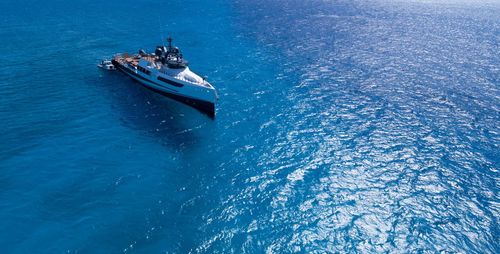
<point>169,39</point>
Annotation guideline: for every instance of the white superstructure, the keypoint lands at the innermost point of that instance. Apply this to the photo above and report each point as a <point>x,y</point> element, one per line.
<point>167,73</point>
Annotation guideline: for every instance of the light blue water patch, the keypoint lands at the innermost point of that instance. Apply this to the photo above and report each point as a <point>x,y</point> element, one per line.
<point>362,126</point>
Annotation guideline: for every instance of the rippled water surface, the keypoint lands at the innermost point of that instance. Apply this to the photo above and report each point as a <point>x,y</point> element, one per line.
<point>342,126</point>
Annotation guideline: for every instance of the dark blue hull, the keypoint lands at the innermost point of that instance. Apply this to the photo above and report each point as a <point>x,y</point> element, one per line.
<point>203,106</point>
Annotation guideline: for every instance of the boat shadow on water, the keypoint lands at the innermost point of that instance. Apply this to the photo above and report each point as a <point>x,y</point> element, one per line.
<point>173,123</point>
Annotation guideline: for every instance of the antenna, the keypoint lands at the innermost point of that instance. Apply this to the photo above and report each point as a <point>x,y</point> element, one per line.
<point>169,39</point>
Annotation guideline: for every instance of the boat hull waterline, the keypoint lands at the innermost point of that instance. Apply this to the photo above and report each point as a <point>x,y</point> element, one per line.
<point>204,106</point>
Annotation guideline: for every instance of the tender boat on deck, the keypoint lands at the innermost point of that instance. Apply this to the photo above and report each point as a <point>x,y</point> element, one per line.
<point>107,65</point>
<point>167,73</point>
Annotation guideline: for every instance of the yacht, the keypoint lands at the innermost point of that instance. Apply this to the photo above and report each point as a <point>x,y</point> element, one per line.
<point>166,72</point>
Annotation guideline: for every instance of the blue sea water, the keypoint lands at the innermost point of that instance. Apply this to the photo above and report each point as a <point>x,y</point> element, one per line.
<point>342,126</point>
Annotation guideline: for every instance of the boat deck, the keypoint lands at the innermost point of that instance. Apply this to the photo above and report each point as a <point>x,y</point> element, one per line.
<point>133,60</point>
